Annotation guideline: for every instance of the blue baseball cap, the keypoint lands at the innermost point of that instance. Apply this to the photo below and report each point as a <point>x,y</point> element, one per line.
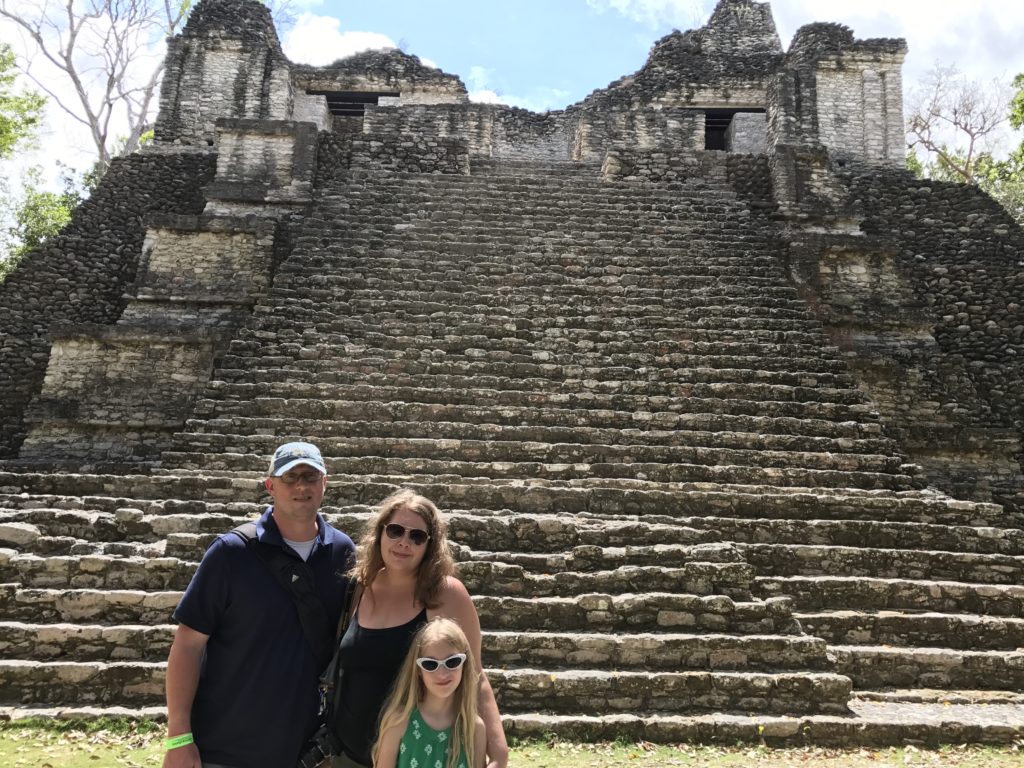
<point>292,454</point>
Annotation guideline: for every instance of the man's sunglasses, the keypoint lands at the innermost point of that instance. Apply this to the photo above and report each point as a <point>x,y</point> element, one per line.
<point>416,536</point>
<point>428,664</point>
<point>309,478</point>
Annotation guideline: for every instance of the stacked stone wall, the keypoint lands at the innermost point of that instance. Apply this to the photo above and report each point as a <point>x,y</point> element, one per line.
<point>750,177</point>
<point>81,275</point>
<point>227,63</point>
<point>384,71</point>
<point>962,253</point>
<point>674,130</point>
<point>414,139</point>
<point>109,379</point>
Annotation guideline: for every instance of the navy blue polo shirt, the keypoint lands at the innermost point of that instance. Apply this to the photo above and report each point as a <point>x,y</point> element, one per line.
<point>257,699</point>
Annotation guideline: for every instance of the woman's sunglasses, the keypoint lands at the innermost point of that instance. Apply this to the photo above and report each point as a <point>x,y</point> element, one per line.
<point>428,664</point>
<point>416,536</point>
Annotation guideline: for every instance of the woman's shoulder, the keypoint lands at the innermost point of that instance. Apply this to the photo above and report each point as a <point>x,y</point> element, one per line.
<point>453,594</point>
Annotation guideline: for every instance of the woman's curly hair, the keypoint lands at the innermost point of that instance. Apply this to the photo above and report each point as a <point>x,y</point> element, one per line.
<point>437,563</point>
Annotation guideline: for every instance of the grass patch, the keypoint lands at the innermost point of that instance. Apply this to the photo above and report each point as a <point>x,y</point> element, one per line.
<point>43,743</point>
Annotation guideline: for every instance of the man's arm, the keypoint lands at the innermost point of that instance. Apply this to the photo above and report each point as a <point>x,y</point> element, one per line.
<point>183,664</point>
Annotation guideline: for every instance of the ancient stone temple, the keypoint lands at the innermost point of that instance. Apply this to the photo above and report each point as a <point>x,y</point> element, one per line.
<point>723,405</point>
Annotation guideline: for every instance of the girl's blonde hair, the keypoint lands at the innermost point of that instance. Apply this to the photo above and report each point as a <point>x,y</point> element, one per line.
<point>409,690</point>
<point>437,563</point>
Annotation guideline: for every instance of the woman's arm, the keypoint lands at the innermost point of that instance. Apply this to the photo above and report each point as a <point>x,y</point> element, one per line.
<point>480,743</point>
<point>389,742</point>
<point>456,604</point>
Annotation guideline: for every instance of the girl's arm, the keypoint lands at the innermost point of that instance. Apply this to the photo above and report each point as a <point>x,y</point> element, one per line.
<point>456,604</point>
<point>480,743</point>
<point>389,742</point>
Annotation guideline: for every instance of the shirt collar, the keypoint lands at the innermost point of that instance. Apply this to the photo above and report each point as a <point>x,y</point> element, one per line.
<point>268,532</point>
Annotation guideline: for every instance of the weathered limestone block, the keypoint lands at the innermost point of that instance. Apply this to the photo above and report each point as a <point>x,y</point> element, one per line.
<point>191,258</point>
<point>17,534</point>
<point>106,383</point>
<point>226,63</point>
<point>400,78</point>
<point>41,683</point>
<point>269,162</point>
<point>747,133</point>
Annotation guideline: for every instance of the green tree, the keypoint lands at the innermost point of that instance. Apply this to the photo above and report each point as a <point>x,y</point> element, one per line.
<point>37,214</point>
<point>21,112</point>
<point>954,124</point>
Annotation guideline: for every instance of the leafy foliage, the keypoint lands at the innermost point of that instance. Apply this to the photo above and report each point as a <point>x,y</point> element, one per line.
<point>21,112</point>
<point>955,124</point>
<point>39,214</point>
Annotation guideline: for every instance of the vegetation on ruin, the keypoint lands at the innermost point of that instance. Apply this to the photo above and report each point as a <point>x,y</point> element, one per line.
<point>955,125</point>
<point>77,744</point>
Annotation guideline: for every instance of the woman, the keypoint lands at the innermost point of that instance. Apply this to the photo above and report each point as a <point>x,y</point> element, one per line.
<point>406,572</point>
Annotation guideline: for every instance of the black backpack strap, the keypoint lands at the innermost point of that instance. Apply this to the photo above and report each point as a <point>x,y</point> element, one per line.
<point>296,578</point>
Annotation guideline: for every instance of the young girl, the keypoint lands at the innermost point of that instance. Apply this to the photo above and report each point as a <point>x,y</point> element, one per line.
<point>430,720</point>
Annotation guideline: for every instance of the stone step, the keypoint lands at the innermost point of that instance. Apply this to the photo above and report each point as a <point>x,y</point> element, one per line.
<point>653,612</point>
<point>581,330</point>
<point>895,551</point>
<point>695,578</point>
<point>652,651</point>
<point>415,472</point>
<point>206,447</point>
<point>883,667</point>
<point>655,651</point>
<point>87,606</point>
<point>95,571</point>
<point>629,691</point>
<point>842,536</point>
<point>568,544</point>
<point>538,208</point>
<point>85,642</point>
<point>494,269</point>
<point>456,194</point>
<point>590,297</point>
<point>377,438</point>
<point>784,468</point>
<point>585,261</point>
<point>41,683</point>
<point>636,613</point>
<point>641,406</point>
<point>323,355</point>
<point>812,593</point>
<point>790,315</point>
<point>733,378</point>
<point>921,629</point>
<point>869,722</point>
<point>192,494</point>
<point>142,683</point>
<point>701,412</point>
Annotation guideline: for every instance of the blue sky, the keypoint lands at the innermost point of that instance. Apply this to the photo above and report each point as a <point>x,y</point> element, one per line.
<point>547,54</point>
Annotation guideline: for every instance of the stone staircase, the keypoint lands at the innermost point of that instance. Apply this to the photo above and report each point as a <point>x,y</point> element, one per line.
<point>678,515</point>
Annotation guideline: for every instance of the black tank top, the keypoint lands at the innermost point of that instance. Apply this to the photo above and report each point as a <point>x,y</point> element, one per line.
<point>371,659</point>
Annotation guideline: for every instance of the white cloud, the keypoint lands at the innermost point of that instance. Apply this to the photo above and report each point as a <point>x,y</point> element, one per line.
<point>478,83</point>
<point>984,43</point>
<point>318,40</point>
<point>683,14</point>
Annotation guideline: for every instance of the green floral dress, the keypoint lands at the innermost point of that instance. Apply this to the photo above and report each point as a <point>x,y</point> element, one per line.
<point>423,747</point>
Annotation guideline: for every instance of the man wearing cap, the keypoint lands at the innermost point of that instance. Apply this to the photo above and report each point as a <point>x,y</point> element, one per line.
<point>242,674</point>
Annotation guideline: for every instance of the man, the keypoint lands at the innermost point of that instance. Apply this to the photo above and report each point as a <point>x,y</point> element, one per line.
<point>242,673</point>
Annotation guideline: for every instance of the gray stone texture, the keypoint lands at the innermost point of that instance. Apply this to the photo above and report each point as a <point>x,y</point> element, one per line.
<point>726,440</point>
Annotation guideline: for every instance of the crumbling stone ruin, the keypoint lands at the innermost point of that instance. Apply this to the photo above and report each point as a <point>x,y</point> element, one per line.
<point>722,403</point>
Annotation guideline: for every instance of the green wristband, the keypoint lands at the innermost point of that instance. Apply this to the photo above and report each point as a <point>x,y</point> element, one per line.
<point>179,741</point>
